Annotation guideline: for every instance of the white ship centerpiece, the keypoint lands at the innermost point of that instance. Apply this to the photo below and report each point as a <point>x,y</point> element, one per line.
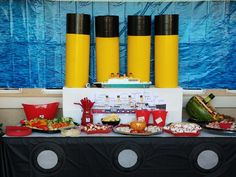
<point>123,82</point>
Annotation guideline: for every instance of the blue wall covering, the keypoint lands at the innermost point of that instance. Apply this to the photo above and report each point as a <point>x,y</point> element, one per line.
<point>32,40</point>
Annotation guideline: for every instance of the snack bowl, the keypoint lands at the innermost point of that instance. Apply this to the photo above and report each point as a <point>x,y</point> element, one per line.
<point>112,123</point>
<point>71,132</point>
<point>47,111</point>
<point>112,120</point>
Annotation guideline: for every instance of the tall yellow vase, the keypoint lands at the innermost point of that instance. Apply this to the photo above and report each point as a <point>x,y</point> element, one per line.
<point>166,51</point>
<point>107,46</point>
<point>77,50</point>
<point>139,47</point>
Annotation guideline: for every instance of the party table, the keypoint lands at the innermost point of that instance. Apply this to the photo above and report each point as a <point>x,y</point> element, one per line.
<point>106,155</point>
<point>2,168</point>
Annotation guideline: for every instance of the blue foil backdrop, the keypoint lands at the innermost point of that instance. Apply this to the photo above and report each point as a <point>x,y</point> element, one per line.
<point>32,40</point>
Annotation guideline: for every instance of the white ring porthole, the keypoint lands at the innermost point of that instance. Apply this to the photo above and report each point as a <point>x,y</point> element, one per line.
<point>47,159</point>
<point>127,158</point>
<point>207,159</point>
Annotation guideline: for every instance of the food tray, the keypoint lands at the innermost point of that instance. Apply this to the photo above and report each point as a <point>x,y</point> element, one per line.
<point>34,129</point>
<point>183,129</point>
<point>44,131</point>
<point>99,131</point>
<point>219,131</point>
<point>135,134</point>
<point>183,134</point>
<point>107,129</point>
<point>221,128</point>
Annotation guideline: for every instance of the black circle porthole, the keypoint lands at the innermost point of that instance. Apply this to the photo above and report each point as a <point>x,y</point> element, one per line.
<point>47,158</point>
<point>127,157</point>
<point>206,158</point>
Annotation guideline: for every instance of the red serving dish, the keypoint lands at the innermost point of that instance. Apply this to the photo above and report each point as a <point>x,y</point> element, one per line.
<point>47,111</point>
<point>183,134</point>
<point>123,125</point>
<point>96,128</point>
<point>225,125</point>
<point>18,131</point>
<point>99,131</point>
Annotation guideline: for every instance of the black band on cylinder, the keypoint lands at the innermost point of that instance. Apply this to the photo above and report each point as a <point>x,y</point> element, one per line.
<point>139,25</point>
<point>78,23</point>
<point>107,26</point>
<point>166,24</point>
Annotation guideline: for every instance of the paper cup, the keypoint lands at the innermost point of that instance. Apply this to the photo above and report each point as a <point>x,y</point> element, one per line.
<point>159,117</point>
<point>143,115</point>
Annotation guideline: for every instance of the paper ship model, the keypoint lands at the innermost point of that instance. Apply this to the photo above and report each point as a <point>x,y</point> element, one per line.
<point>122,82</point>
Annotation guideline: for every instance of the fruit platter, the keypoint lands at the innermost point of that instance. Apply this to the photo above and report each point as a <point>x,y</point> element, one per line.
<point>48,126</point>
<point>183,129</point>
<point>96,128</point>
<point>137,128</point>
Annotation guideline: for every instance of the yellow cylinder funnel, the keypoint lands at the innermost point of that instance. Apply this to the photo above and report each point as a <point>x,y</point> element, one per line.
<point>107,46</point>
<point>166,51</point>
<point>77,50</point>
<point>139,47</point>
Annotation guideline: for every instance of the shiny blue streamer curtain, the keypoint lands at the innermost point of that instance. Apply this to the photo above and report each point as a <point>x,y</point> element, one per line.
<point>32,40</point>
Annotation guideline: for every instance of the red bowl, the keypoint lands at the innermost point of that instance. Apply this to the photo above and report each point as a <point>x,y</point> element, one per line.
<point>17,131</point>
<point>47,111</point>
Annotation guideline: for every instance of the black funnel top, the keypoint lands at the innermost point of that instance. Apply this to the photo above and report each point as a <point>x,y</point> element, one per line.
<point>166,24</point>
<point>107,26</point>
<point>139,25</point>
<point>78,23</point>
